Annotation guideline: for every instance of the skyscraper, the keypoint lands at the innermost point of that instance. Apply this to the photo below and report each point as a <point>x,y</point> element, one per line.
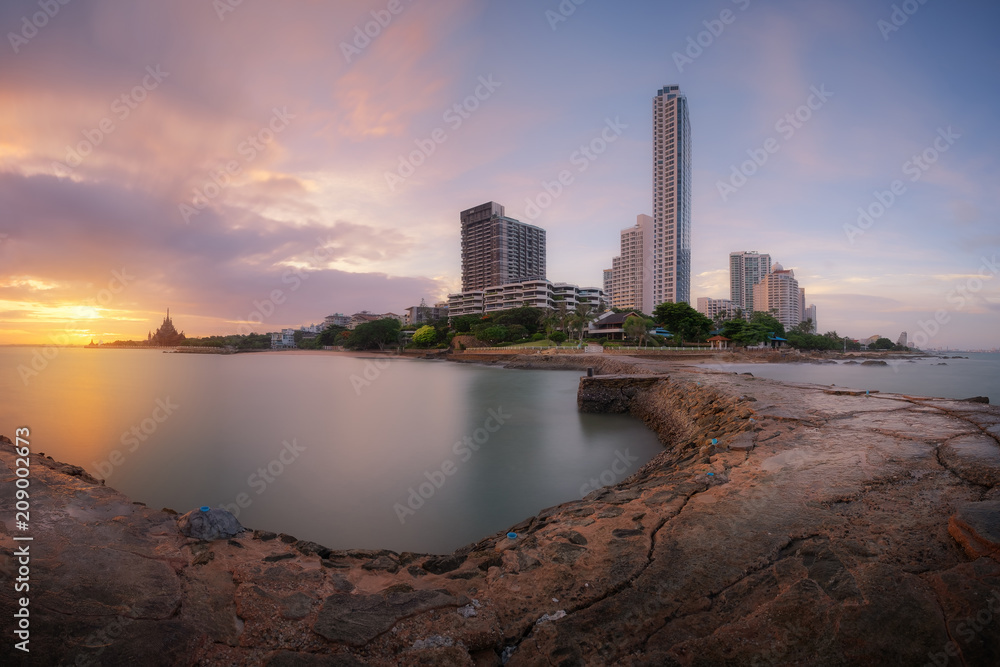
<point>746,269</point>
<point>810,314</point>
<point>779,294</point>
<point>497,250</point>
<point>670,256</point>
<point>631,281</point>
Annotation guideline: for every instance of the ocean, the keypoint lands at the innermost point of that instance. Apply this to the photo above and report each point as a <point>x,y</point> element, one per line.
<point>942,376</point>
<point>346,451</point>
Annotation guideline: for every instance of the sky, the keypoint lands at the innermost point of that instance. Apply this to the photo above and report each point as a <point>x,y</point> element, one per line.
<point>257,164</point>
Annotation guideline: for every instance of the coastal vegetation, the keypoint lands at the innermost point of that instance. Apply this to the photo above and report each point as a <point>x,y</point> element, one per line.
<point>530,326</point>
<point>683,321</point>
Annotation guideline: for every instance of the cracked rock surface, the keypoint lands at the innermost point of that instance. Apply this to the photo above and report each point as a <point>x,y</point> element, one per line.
<point>821,528</point>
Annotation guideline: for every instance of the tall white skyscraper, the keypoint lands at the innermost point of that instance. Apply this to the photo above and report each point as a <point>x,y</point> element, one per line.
<point>746,269</point>
<point>670,254</point>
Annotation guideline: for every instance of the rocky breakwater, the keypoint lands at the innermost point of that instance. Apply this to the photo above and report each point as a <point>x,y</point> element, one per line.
<point>822,528</point>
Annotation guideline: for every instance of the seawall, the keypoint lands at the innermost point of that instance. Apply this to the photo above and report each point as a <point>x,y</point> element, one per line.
<point>823,527</point>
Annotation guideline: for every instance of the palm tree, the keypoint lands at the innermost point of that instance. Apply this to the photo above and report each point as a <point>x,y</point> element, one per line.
<point>580,319</point>
<point>636,327</point>
<point>559,317</point>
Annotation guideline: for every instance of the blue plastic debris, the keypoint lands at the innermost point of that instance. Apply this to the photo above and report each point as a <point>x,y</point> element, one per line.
<point>512,536</point>
<point>205,508</point>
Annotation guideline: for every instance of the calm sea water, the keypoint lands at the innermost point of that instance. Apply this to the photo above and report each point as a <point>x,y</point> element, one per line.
<point>413,455</point>
<point>979,375</point>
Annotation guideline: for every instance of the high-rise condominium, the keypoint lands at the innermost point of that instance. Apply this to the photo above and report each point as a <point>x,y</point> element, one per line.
<point>608,284</point>
<point>670,256</point>
<point>778,293</point>
<point>746,269</point>
<point>497,250</point>
<point>630,279</point>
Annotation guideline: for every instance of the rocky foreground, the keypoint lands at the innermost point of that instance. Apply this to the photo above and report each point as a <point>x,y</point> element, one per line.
<point>823,527</point>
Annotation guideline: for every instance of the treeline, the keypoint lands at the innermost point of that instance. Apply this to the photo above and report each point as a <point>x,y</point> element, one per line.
<point>528,324</point>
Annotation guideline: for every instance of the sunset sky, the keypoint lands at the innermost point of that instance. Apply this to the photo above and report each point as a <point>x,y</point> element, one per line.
<point>211,156</point>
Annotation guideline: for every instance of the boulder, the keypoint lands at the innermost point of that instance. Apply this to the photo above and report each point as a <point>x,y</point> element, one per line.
<point>215,524</point>
<point>978,399</point>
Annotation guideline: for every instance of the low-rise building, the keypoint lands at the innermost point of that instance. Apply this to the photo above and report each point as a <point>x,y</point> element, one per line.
<point>368,316</point>
<point>535,293</point>
<point>466,303</point>
<point>610,325</point>
<point>719,342</point>
<point>283,339</point>
<point>423,313</point>
<point>337,320</point>
<point>868,342</point>
<point>713,309</point>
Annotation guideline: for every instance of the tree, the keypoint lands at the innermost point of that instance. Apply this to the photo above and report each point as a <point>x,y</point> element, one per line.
<point>883,344</point>
<point>808,341</point>
<point>562,315</point>
<point>557,337</point>
<point>425,336</point>
<point>332,335</point>
<point>579,320</point>
<point>371,335</point>
<point>747,333</point>
<point>769,322</point>
<point>464,323</point>
<point>493,334</point>
<point>805,327</point>
<point>636,328</point>
<point>526,316</point>
<point>517,332</point>
<point>683,321</point>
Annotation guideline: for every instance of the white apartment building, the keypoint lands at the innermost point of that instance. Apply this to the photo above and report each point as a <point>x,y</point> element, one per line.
<point>338,319</point>
<point>714,308</point>
<point>283,339</point>
<point>534,293</point>
<point>778,293</point>
<point>631,277</point>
